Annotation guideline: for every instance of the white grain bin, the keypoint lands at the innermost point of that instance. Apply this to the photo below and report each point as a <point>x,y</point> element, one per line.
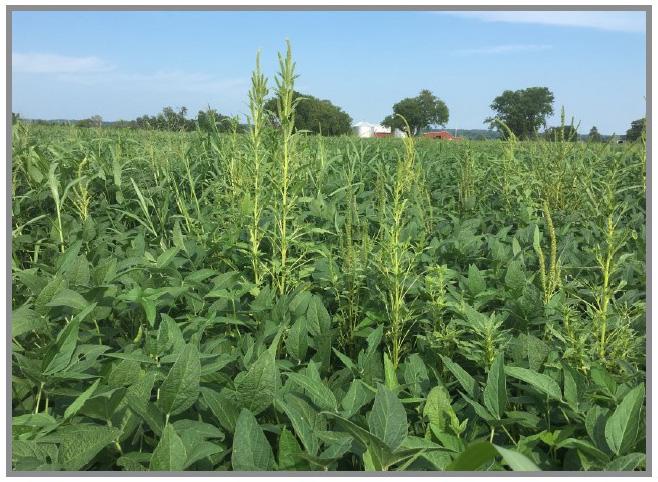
<point>399,133</point>
<point>363,129</point>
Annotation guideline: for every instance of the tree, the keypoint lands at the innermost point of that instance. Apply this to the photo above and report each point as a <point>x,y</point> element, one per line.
<point>523,111</point>
<point>93,121</point>
<point>594,135</point>
<point>636,130</point>
<point>420,112</point>
<point>315,115</point>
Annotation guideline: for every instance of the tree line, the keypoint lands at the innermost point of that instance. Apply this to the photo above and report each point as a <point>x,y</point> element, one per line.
<point>521,112</point>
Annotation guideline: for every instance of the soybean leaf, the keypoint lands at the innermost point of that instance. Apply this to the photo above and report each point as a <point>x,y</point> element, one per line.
<point>77,404</point>
<point>170,453</point>
<point>622,427</point>
<point>495,392</point>
<point>388,418</point>
<point>541,382</point>
<point>180,389</point>
<point>255,388</point>
<point>251,450</point>
<point>319,393</point>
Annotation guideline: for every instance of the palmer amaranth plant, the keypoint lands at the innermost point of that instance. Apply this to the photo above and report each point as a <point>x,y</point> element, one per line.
<point>271,300</point>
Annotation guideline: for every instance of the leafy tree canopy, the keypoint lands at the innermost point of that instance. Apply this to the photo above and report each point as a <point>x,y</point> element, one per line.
<point>315,115</point>
<point>594,135</point>
<point>637,127</point>
<point>420,112</point>
<point>523,111</point>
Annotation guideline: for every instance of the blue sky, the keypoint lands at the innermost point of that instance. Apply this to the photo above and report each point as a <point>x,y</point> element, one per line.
<point>125,64</point>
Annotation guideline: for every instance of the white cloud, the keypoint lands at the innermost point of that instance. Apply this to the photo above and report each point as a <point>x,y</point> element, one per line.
<point>502,49</point>
<point>159,81</point>
<point>36,63</point>
<point>622,21</point>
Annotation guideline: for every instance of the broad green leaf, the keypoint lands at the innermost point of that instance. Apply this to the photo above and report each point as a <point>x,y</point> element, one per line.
<point>256,388</point>
<point>388,418</point>
<point>517,461</point>
<point>475,281</point>
<point>626,463</point>
<point>289,451</point>
<point>467,382</point>
<point>480,453</point>
<point>25,320</point>
<point>77,404</point>
<point>622,427</point>
<point>319,393</point>
<point>166,257</point>
<point>495,392</point>
<point>356,397</point>
<point>201,450</point>
<point>251,450</point>
<point>541,382</point>
<point>79,443</point>
<point>180,389</point>
<point>438,409</point>
<point>68,298</point>
<point>222,407</point>
<point>297,339</point>
<point>170,454</point>
<point>317,316</point>
<point>59,355</point>
<point>304,419</point>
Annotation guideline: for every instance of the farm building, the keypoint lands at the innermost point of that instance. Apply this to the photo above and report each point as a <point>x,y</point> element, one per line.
<point>442,135</point>
<point>366,129</point>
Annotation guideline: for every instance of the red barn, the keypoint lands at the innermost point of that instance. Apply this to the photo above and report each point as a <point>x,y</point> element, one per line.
<point>443,135</point>
<point>382,134</point>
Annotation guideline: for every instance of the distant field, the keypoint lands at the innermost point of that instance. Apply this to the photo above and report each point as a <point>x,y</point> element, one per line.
<point>276,301</point>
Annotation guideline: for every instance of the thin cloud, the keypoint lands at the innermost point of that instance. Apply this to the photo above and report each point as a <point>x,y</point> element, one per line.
<point>39,63</point>
<point>502,49</point>
<point>634,22</point>
<point>160,81</point>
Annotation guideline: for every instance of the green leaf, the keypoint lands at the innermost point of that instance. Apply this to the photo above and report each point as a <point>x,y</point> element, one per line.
<point>515,278</point>
<point>626,463</point>
<point>80,400</point>
<point>622,427</point>
<point>68,298</point>
<point>251,450</point>
<point>297,339</point>
<point>221,407</point>
<point>438,409</point>
<point>517,461</point>
<point>388,418</point>
<point>319,393</point>
<point>25,320</point>
<point>289,451</point>
<point>317,316</point>
<point>541,382</point>
<point>475,281</point>
<point>79,443</point>
<point>390,377</point>
<point>180,389</point>
<point>256,388</point>
<point>495,392</point>
<point>170,453</point>
<point>467,382</point>
<point>59,355</point>
<point>355,398</point>
<point>480,453</point>
<point>165,258</point>
<point>304,419</point>
<point>179,240</point>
